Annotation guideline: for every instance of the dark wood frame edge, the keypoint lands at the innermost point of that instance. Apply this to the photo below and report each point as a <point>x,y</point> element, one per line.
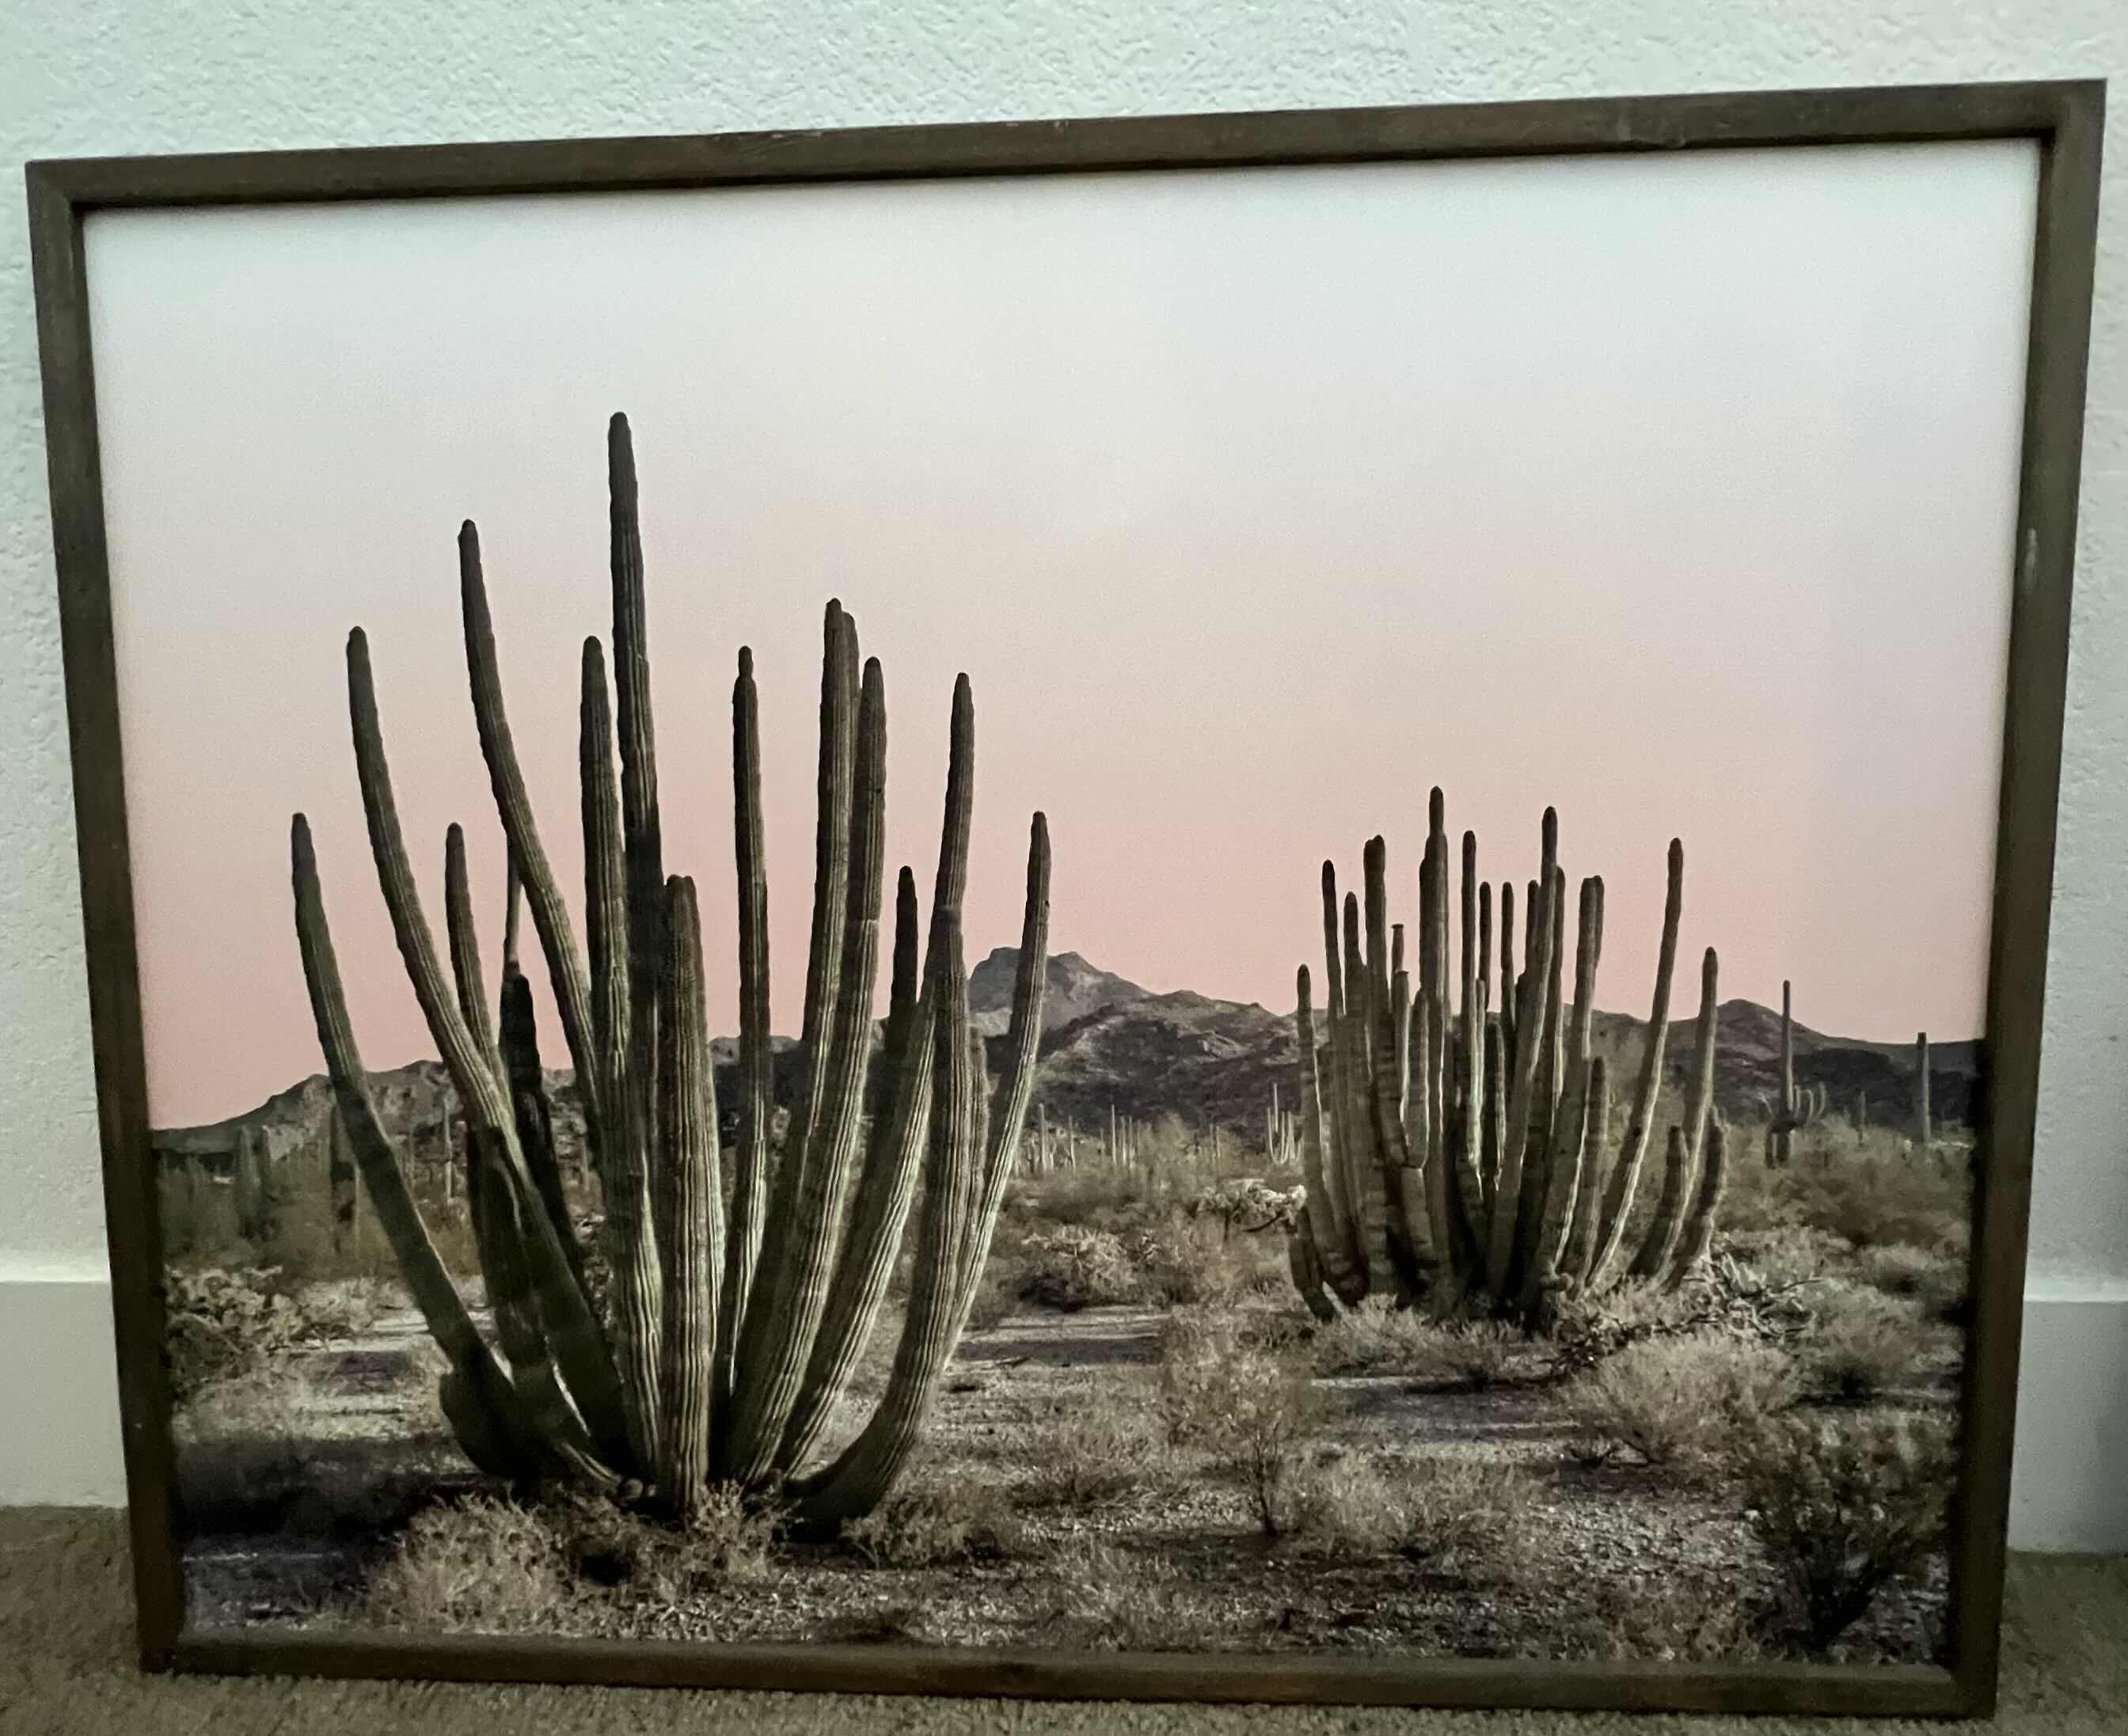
<point>2064,119</point>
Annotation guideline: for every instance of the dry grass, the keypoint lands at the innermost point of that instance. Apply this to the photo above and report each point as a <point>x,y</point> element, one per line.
<point>996,1295</point>
<point>478,1566</point>
<point>1157,1257</point>
<point>934,1524</point>
<point>1113,1599</point>
<point>1842,1505</point>
<point>1250,1409</point>
<point>1866,1344</point>
<point>1454,1517</point>
<point>1677,1400</point>
<point>1379,1338</point>
<point>1870,1193</point>
<point>1088,1453</point>
<point>221,1324</point>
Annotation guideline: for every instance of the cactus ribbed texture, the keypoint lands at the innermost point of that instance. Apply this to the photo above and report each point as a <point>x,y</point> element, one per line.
<point>723,1349</point>
<point>1456,1156</point>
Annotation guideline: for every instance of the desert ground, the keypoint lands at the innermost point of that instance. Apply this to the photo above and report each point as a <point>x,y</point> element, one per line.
<point>1145,1442</point>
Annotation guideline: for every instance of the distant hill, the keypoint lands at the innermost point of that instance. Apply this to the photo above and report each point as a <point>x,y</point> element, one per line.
<point>1108,1044</point>
<point>1072,989</point>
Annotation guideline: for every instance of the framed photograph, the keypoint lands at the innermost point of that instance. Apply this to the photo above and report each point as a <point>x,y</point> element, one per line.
<point>1443,1116</point>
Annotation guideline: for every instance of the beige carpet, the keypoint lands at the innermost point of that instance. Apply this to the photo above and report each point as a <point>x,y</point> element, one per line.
<point>66,1643</point>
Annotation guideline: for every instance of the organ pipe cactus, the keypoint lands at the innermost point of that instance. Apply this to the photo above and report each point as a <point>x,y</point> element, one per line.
<point>727,1336</point>
<point>1457,1155</point>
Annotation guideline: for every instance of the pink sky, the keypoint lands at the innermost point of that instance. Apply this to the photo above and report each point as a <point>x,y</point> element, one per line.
<point>1677,492</point>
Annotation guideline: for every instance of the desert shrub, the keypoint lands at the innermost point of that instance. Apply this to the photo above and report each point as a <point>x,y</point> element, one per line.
<point>996,1295</point>
<point>476,1566</point>
<point>1896,1270</point>
<point>1935,1281</point>
<point>1086,1453</point>
<point>1874,1203</point>
<point>1842,1506</point>
<point>1187,1264</point>
<point>1790,1255</point>
<point>1251,1409</point>
<point>1865,1344</point>
<point>1110,1598</point>
<point>727,1539</point>
<point>1092,1197</point>
<point>1454,1517</point>
<point>220,1324</point>
<point>1755,1199</point>
<point>1477,1353</point>
<point>1343,1506</point>
<point>1379,1338</point>
<point>933,1524</point>
<point>1671,1401</point>
<point>1247,1204</point>
<point>1669,1617</point>
<point>1071,1268</point>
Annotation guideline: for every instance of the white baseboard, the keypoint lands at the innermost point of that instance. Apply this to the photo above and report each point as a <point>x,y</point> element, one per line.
<point>58,1394</point>
<point>58,1408</point>
<point>2066,1489</point>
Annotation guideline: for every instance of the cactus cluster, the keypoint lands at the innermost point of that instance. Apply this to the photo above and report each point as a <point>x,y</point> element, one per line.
<point>1457,1154</point>
<point>728,1334</point>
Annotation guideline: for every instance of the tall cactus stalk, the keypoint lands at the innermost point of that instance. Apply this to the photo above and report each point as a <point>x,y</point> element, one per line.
<point>1799,1105</point>
<point>1924,1126</point>
<point>1457,1156</point>
<point>724,1349</point>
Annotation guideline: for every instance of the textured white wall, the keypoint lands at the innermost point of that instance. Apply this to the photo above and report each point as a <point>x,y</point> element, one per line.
<point>186,75</point>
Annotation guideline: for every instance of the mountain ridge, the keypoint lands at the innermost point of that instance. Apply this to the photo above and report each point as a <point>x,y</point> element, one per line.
<point>1110,1045</point>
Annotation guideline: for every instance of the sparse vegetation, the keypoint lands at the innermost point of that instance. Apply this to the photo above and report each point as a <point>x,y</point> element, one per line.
<point>1092,1454</point>
<point>1454,1518</point>
<point>223,1324</point>
<point>934,1523</point>
<point>1251,1409</point>
<point>1110,1598</point>
<point>1161,1450</point>
<point>1377,1338</point>
<point>1679,1400</point>
<point>1867,1345</point>
<point>476,1566</point>
<point>1071,1268</point>
<point>1842,1505</point>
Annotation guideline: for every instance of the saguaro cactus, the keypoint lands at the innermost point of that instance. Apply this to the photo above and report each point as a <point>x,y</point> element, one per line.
<point>724,1342</point>
<point>1799,1106</point>
<point>1924,1127</point>
<point>1456,1156</point>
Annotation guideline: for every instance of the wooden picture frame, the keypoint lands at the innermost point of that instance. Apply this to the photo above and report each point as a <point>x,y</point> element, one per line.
<point>2062,120</point>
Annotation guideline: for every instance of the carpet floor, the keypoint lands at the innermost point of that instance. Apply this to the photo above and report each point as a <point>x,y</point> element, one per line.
<point>66,1668</point>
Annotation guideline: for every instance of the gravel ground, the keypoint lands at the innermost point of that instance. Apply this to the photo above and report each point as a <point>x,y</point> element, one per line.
<point>1608,1561</point>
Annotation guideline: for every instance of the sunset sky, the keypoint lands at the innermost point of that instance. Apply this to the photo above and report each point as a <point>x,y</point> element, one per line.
<point>1675,490</point>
